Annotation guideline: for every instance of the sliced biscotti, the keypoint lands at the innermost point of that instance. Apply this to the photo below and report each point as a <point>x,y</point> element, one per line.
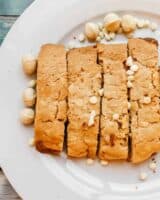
<point>51,98</point>
<point>144,97</point>
<point>114,118</point>
<point>83,102</point>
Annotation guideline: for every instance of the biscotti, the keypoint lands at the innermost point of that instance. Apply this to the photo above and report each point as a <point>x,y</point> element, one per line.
<point>114,127</point>
<point>51,104</point>
<point>144,97</point>
<point>83,102</point>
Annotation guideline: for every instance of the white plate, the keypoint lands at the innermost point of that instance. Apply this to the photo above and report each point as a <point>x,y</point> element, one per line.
<point>36,176</point>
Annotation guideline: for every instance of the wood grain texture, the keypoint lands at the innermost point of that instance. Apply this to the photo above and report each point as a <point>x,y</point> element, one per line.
<point>5,24</point>
<point>13,7</point>
<point>6,191</point>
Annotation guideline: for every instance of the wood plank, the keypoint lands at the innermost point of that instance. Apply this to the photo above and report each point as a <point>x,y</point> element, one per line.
<point>13,7</point>
<point>5,24</point>
<point>6,190</point>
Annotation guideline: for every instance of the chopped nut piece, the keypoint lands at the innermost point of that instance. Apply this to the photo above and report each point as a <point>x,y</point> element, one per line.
<point>112,22</point>
<point>100,26</point>
<point>152,166</point>
<point>90,161</point>
<point>129,84</point>
<point>153,26</point>
<point>91,118</point>
<point>107,37</point>
<point>144,124</point>
<point>115,116</point>
<point>129,105</point>
<point>128,23</point>
<point>31,142</point>
<point>98,39</point>
<point>93,100</point>
<point>32,83</point>
<point>112,35</point>
<point>101,35</point>
<point>143,176</point>
<point>91,31</point>
<point>130,78</point>
<point>147,100</point>
<point>134,68</point>
<point>140,23</point>
<point>101,92</point>
<point>81,37</point>
<point>129,61</point>
<point>130,72</point>
<point>104,162</point>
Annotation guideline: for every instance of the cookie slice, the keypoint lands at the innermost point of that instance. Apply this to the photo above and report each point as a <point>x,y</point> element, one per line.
<point>51,98</point>
<point>144,97</point>
<point>114,127</point>
<point>83,102</point>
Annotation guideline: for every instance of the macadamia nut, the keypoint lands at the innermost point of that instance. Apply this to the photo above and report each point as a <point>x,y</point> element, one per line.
<point>91,31</point>
<point>29,64</point>
<point>112,22</point>
<point>128,23</point>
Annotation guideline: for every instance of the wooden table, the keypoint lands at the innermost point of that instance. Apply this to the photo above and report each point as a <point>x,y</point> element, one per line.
<point>9,11</point>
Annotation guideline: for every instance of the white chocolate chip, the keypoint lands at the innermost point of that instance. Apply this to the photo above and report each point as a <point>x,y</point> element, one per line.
<point>112,35</point>
<point>152,166</point>
<point>101,35</point>
<point>115,116</point>
<point>143,176</point>
<point>134,68</point>
<point>98,39</point>
<point>71,45</point>
<point>89,161</point>
<point>101,92</point>
<point>93,100</point>
<point>153,26</point>
<point>112,22</point>
<point>130,72</point>
<point>147,100</point>
<point>29,97</point>
<point>129,61</point>
<point>129,105</point>
<point>91,31</point>
<point>32,83</point>
<point>140,23</point>
<point>31,142</point>
<point>81,37</point>
<point>107,37</point>
<point>27,116</point>
<point>129,84</point>
<point>146,23</point>
<point>128,23</point>
<point>130,78</point>
<point>29,64</point>
<point>91,118</point>
<point>104,162</point>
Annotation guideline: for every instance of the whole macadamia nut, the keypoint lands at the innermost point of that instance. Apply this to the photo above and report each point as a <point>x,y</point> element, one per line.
<point>29,97</point>
<point>29,64</point>
<point>91,31</point>
<point>112,22</point>
<point>27,116</point>
<point>128,23</point>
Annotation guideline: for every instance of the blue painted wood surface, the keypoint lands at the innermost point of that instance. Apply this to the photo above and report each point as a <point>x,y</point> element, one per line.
<point>9,11</point>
